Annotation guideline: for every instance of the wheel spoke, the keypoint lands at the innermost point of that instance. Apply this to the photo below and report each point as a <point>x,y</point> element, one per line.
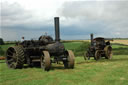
<point>15,57</point>
<point>9,56</point>
<point>11,65</point>
<point>11,60</point>
<point>10,52</point>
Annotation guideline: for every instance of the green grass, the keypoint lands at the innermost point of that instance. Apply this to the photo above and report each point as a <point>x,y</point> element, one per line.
<point>78,48</point>
<point>116,45</point>
<point>103,72</point>
<point>72,45</point>
<point>120,49</point>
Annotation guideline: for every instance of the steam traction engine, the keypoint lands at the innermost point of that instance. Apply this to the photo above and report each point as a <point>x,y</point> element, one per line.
<point>44,51</point>
<point>100,47</point>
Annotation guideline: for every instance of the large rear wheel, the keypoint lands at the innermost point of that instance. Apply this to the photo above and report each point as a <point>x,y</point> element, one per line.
<point>45,61</point>
<point>15,57</point>
<point>108,52</point>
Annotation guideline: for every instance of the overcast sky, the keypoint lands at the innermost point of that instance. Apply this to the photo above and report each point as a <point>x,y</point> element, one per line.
<point>78,18</point>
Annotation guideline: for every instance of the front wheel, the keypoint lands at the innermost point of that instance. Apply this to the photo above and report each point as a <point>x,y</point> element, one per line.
<point>86,56</point>
<point>45,61</point>
<point>97,55</point>
<point>70,60</point>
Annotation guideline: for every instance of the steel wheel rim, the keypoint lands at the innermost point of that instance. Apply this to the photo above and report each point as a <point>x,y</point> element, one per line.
<point>45,61</point>
<point>11,60</point>
<point>97,55</point>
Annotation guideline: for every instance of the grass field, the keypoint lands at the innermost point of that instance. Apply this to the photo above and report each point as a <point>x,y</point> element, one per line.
<point>103,72</point>
<point>121,41</point>
<point>89,72</point>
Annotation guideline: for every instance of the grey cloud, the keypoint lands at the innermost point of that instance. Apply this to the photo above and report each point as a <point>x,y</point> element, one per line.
<point>77,20</point>
<point>17,21</point>
<point>16,34</point>
<point>95,9</point>
<point>13,14</point>
<point>112,14</point>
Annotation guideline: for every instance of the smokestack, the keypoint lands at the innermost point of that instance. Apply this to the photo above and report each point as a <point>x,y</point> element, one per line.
<point>57,29</point>
<point>91,39</point>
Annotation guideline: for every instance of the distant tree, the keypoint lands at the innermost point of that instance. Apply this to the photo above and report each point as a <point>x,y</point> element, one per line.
<point>1,41</point>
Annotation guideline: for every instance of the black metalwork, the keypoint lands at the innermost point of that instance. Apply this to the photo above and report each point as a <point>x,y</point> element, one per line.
<point>45,51</point>
<point>100,47</point>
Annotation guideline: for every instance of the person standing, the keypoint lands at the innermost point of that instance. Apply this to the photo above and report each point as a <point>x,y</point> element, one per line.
<point>22,39</point>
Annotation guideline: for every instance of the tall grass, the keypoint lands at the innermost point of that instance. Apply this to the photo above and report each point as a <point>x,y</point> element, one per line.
<point>78,48</point>
<point>120,49</point>
<point>82,49</point>
<point>102,72</point>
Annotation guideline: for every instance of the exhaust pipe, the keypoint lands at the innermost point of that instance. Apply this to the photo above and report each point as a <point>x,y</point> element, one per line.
<point>57,29</point>
<point>91,39</point>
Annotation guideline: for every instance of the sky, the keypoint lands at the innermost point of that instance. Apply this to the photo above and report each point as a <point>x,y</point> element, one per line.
<point>78,18</point>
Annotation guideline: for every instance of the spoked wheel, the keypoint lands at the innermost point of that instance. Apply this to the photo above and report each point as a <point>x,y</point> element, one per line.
<point>15,57</point>
<point>108,52</point>
<point>97,55</point>
<point>86,56</point>
<point>70,60</point>
<point>45,61</point>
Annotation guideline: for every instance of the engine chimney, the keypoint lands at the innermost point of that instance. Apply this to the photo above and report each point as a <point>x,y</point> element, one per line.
<point>91,39</point>
<point>57,29</point>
